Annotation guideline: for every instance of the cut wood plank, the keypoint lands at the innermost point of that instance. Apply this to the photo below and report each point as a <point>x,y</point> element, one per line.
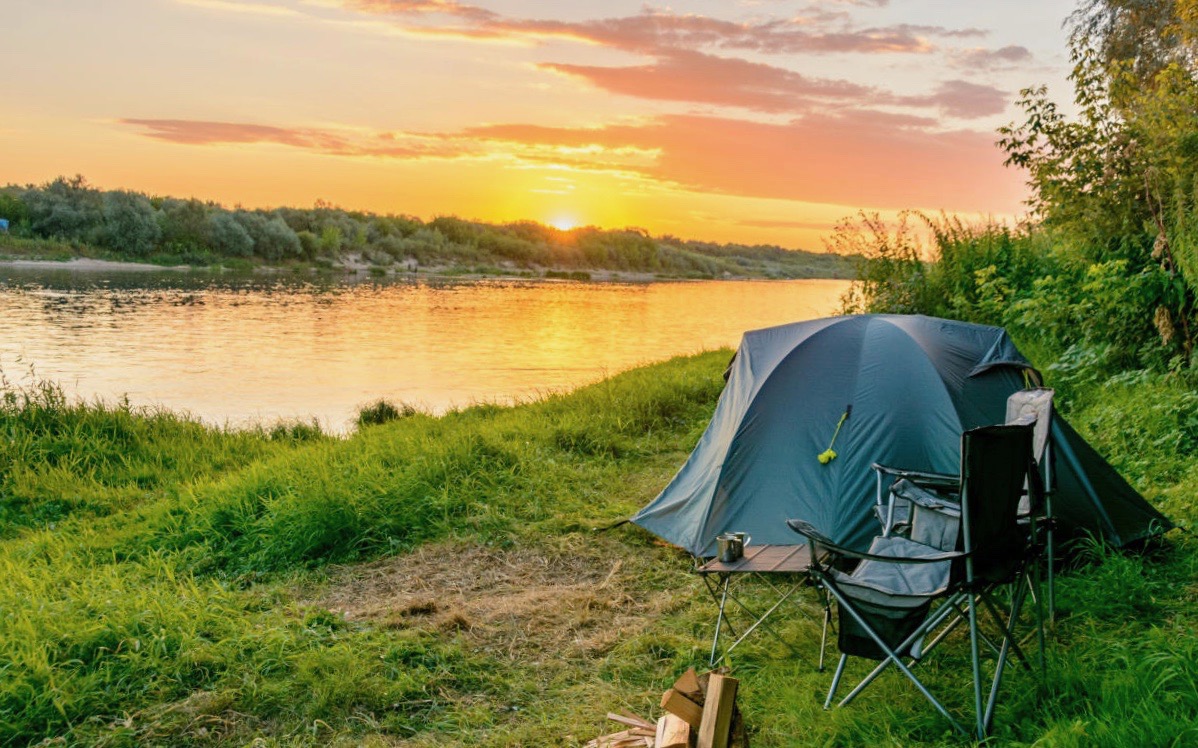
<point>676,703</point>
<point>672,732</point>
<point>644,722</point>
<point>716,722</point>
<point>622,739</point>
<point>631,720</point>
<point>688,685</point>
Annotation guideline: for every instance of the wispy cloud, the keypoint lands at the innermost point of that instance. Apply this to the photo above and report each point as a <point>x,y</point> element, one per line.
<point>845,142</point>
<point>768,224</point>
<point>245,8</point>
<point>992,59</point>
<point>200,132</point>
<point>448,8</point>
<point>694,58</point>
<point>960,99</point>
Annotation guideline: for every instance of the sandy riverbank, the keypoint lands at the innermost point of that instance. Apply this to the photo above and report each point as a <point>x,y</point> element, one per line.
<point>87,264</point>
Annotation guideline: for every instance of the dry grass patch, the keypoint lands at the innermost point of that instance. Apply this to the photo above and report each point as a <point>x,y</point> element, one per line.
<point>578,598</point>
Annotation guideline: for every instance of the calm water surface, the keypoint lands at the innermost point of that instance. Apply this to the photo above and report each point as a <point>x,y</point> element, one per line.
<point>239,351</point>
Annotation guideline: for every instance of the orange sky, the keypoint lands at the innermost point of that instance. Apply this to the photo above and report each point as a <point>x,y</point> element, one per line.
<point>751,121</point>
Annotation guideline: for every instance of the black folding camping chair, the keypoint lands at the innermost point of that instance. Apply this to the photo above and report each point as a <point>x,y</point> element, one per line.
<point>960,550</point>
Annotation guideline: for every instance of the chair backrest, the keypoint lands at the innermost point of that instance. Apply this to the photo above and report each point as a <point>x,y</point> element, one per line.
<point>1035,406</point>
<point>995,464</point>
<point>1035,403</point>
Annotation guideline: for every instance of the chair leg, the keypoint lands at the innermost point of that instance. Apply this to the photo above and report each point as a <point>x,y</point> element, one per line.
<point>1052,589</point>
<point>1008,645</point>
<point>935,620</point>
<point>1050,557</point>
<point>892,657</point>
<point>835,680</point>
<point>1008,629</point>
<point>1034,583</point>
<point>976,661</point>
<point>940,636</point>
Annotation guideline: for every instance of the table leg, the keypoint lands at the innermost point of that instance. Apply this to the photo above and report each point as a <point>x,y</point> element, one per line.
<point>823,638</point>
<point>715,642</point>
<point>760,620</point>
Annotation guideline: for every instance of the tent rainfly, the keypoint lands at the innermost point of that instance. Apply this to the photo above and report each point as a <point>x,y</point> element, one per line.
<point>893,389</point>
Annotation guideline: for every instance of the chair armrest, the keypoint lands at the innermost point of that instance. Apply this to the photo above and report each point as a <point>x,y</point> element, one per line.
<point>938,480</point>
<point>905,489</point>
<point>807,530</point>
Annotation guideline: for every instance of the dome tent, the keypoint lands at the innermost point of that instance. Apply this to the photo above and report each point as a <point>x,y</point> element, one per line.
<point>909,385</point>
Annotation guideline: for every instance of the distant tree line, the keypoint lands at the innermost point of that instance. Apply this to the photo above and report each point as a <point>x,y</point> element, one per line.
<point>134,226</point>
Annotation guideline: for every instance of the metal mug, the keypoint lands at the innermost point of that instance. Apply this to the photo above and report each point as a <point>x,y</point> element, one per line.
<point>730,547</point>
<point>745,538</point>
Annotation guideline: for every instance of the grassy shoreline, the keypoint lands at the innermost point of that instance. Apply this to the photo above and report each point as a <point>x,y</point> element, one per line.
<point>17,252</point>
<point>436,581</point>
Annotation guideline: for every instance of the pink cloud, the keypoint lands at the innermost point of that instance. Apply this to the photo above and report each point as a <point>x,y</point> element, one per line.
<point>696,77</point>
<point>681,72</point>
<point>654,31</point>
<point>859,159</point>
<point>866,159</point>
<point>679,75</point>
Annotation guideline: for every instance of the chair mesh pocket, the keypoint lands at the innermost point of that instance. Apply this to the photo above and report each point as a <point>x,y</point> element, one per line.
<point>893,625</point>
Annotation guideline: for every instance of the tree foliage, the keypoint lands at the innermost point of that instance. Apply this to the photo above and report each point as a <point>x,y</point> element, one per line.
<point>1104,276</point>
<point>1117,186</point>
<point>130,224</point>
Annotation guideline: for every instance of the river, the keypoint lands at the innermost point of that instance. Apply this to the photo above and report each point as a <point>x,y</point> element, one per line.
<point>235,350</point>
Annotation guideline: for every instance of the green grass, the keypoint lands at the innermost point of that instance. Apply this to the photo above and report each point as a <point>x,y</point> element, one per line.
<point>61,458</point>
<point>14,247</point>
<point>166,583</point>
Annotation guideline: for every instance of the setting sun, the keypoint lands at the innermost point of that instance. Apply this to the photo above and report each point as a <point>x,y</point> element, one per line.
<point>563,222</point>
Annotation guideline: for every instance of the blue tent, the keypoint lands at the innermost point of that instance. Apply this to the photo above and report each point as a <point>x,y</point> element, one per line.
<point>911,384</point>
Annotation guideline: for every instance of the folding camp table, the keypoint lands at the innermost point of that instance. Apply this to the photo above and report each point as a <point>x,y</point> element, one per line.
<point>782,567</point>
